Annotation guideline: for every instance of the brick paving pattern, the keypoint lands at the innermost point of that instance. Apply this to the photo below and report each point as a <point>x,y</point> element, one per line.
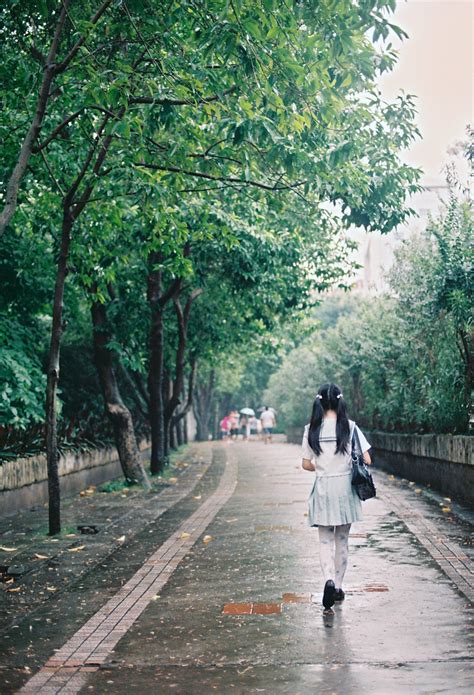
<point>449,556</point>
<point>68,670</point>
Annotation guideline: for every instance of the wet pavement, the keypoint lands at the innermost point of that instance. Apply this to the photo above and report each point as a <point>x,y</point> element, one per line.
<point>221,593</point>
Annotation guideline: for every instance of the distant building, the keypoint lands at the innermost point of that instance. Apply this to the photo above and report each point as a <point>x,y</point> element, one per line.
<point>376,251</point>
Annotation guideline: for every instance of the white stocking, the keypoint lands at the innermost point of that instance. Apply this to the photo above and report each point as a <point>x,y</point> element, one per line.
<point>326,551</point>
<point>342,553</point>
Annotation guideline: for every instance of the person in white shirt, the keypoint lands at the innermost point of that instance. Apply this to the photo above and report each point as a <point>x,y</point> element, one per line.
<point>267,418</point>
<point>333,502</point>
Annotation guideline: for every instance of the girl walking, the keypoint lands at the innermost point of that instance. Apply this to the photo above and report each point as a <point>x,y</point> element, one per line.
<point>333,503</point>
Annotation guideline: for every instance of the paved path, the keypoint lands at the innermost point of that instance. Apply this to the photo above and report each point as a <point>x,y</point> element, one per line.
<point>229,601</point>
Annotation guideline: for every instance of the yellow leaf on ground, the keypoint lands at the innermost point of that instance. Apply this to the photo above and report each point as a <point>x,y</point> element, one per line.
<point>75,550</point>
<point>14,591</point>
<point>173,480</point>
<point>207,539</point>
<point>417,490</point>
<point>185,534</point>
<point>51,588</point>
<point>8,550</point>
<point>41,557</point>
<point>197,497</point>
<point>121,539</point>
<point>446,509</point>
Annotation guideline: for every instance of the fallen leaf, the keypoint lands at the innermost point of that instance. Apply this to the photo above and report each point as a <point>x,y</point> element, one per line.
<point>14,591</point>
<point>156,597</point>
<point>51,588</point>
<point>70,535</point>
<point>446,509</point>
<point>41,557</point>
<point>207,539</point>
<point>173,480</point>
<point>76,549</point>
<point>121,539</point>
<point>447,499</point>
<point>185,534</point>
<point>8,550</point>
<point>418,490</point>
<point>197,497</point>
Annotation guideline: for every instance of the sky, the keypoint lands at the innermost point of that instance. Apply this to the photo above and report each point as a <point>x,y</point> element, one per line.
<point>435,64</point>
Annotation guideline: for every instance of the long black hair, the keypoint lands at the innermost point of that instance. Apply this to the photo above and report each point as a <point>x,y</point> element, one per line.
<point>329,397</point>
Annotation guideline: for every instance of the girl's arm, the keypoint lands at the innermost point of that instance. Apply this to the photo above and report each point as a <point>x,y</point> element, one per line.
<point>307,465</point>
<point>367,458</point>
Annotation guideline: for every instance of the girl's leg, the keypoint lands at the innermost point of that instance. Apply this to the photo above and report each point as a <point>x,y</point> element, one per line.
<point>326,551</point>
<point>342,553</point>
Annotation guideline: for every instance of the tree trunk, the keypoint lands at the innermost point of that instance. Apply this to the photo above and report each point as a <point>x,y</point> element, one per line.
<point>155,372</point>
<point>172,436</point>
<point>166,398</point>
<point>185,430</point>
<point>135,393</point>
<point>178,381</point>
<point>202,408</point>
<point>119,414</point>
<point>53,379</point>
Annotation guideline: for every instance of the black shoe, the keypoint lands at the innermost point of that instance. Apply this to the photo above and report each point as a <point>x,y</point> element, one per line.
<point>339,595</point>
<point>329,592</point>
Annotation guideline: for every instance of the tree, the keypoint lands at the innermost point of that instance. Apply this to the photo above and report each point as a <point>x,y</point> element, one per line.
<point>403,359</point>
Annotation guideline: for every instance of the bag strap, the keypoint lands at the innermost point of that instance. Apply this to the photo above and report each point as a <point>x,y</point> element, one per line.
<point>355,441</point>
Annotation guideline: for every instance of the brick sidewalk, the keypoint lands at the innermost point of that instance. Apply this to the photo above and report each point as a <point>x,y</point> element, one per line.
<point>51,564</point>
<point>94,642</point>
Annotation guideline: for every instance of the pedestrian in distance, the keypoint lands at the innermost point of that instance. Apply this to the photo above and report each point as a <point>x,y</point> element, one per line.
<point>244,426</point>
<point>225,425</point>
<point>234,424</point>
<point>254,425</point>
<point>268,420</point>
<point>333,502</point>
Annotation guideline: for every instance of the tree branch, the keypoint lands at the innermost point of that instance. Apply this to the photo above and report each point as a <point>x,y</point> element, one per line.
<point>230,179</point>
<point>11,196</point>
<point>167,101</point>
<point>60,67</point>
<point>65,123</point>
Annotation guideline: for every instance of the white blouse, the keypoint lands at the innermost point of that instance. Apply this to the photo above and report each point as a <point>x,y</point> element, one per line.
<point>328,462</point>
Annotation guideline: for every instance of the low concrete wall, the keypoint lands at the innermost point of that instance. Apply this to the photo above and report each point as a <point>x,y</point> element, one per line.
<point>24,482</point>
<point>443,461</point>
<point>294,435</point>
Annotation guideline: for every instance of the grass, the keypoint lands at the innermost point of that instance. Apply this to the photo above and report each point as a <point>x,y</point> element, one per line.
<point>169,471</point>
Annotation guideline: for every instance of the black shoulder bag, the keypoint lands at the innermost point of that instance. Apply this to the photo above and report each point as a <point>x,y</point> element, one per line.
<point>361,477</point>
